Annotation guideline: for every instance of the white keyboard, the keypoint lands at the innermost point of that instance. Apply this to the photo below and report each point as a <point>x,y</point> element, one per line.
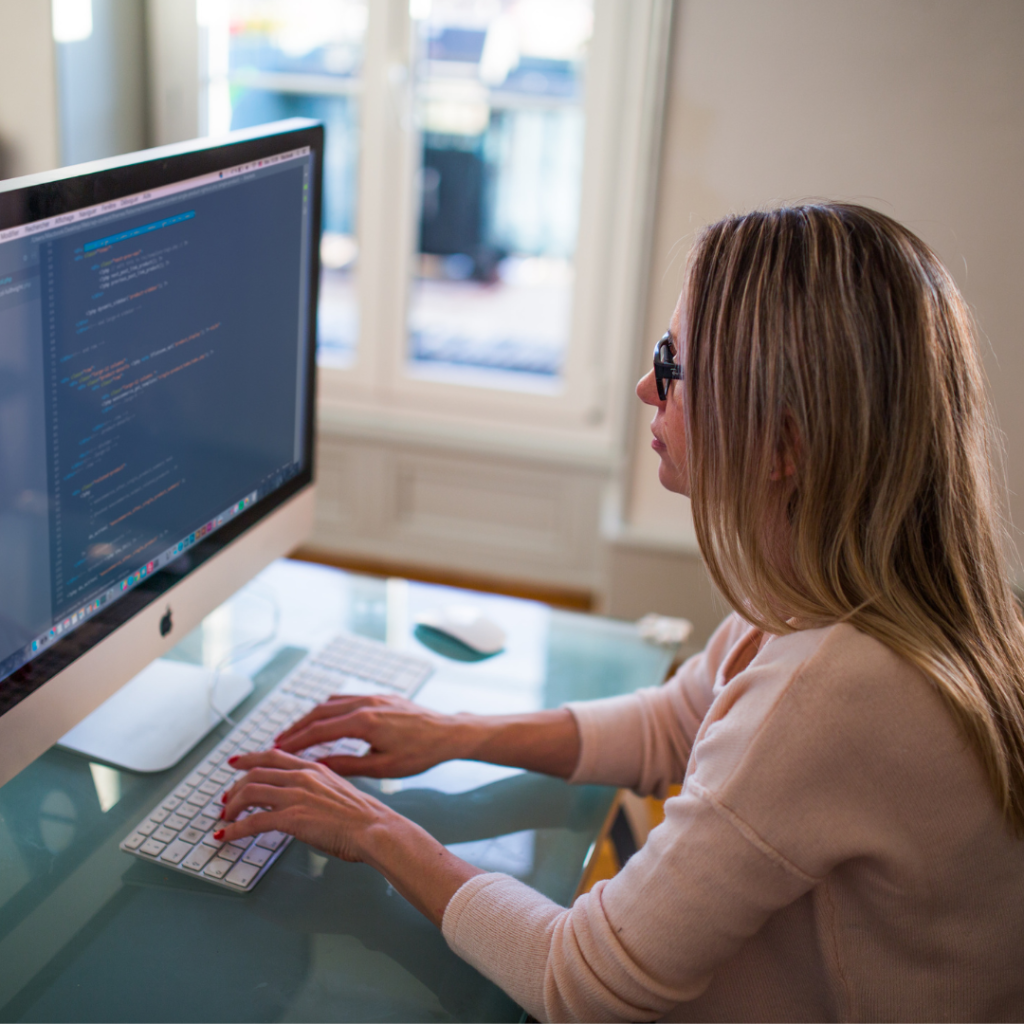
<point>178,832</point>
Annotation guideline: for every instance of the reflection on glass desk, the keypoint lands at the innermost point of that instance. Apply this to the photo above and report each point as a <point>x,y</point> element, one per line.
<point>90,933</point>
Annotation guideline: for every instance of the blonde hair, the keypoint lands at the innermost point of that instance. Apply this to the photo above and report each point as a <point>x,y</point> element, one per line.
<point>828,341</point>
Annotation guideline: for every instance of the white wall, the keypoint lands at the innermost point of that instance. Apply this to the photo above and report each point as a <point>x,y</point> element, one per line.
<point>28,89</point>
<point>916,108</point>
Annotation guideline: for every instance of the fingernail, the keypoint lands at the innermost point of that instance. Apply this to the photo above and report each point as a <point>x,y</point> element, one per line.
<point>223,798</point>
<point>232,759</point>
<point>219,834</point>
<point>223,815</point>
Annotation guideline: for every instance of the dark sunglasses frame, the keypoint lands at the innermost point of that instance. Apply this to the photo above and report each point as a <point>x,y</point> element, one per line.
<point>665,370</point>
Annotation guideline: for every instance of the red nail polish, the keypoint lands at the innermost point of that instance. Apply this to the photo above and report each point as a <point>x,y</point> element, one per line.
<point>223,798</point>
<point>232,759</point>
<point>219,834</point>
<point>223,815</point>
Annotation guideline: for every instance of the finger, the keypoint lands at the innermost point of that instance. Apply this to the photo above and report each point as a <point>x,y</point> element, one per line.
<point>331,708</point>
<point>251,794</point>
<point>353,726</point>
<point>260,794</point>
<point>374,766</point>
<point>266,759</point>
<point>300,775</point>
<point>254,824</point>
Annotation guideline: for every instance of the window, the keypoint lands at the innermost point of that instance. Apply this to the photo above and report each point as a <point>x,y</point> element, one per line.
<point>499,93</point>
<point>487,189</point>
<point>272,59</point>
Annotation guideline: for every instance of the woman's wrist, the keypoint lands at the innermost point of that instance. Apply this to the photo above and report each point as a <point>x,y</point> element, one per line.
<point>543,741</point>
<point>415,863</point>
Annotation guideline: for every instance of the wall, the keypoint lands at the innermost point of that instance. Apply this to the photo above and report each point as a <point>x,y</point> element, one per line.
<point>28,89</point>
<point>916,108</point>
<point>102,85</point>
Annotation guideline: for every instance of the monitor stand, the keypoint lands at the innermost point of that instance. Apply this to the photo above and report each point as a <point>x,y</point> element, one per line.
<point>157,717</point>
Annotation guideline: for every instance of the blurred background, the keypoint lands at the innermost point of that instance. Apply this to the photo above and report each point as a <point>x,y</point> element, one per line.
<point>510,189</point>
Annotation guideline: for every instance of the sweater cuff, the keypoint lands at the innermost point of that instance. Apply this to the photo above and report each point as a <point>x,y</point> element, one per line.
<point>611,733</point>
<point>502,927</point>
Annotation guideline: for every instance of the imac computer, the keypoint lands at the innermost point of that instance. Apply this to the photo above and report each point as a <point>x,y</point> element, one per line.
<point>157,383</point>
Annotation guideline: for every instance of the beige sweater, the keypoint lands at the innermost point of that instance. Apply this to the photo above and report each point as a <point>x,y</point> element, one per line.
<point>835,854</point>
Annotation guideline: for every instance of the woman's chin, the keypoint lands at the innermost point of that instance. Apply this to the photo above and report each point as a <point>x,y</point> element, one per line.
<point>672,480</point>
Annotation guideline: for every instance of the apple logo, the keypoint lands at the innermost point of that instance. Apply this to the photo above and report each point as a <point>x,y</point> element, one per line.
<point>166,625</point>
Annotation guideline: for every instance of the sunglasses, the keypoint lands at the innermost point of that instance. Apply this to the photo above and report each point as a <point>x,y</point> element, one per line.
<point>665,369</point>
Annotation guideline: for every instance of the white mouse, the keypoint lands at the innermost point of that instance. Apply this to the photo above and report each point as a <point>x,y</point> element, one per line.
<point>468,625</point>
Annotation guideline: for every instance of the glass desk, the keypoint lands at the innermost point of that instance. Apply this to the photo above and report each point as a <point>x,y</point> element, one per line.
<point>90,933</point>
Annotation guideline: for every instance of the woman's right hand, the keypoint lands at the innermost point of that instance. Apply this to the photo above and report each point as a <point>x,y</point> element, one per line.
<point>405,739</point>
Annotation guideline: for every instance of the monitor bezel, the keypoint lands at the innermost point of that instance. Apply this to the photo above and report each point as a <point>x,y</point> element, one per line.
<point>27,200</point>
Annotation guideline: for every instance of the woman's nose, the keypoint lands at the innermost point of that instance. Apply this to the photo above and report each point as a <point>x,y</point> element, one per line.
<point>647,389</point>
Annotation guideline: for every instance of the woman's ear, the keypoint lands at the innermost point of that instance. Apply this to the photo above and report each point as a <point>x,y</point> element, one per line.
<point>788,452</point>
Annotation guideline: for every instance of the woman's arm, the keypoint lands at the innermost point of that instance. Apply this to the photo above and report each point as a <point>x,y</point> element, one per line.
<point>640,741</point>
<point>406,739</point>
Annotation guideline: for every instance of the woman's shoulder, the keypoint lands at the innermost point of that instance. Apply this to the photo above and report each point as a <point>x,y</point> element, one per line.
<point>829,745</point>
<point>825,700</point>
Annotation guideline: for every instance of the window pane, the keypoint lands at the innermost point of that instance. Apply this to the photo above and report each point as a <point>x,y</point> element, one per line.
<point>499,88</point>
<point>272,59</point>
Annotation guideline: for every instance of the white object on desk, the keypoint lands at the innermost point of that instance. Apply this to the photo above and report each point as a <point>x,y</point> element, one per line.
<point>664,630</point>
<point>157,717</point>
<point>468,625</point>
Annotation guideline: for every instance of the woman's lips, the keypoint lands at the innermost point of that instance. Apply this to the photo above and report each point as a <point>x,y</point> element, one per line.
<point>657,444</point>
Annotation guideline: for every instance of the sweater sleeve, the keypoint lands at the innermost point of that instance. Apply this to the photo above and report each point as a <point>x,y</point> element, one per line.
<point>639,944</point>
<point>642,741</point>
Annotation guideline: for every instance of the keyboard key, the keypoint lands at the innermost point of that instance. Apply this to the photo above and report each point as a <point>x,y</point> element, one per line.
<point>205,768</point>
<point>203,823</point>
<point>231,853</point>
<point>194,779</point>
<point>271,840</point>
<point>217,868</point>
<point>151,847</point>
<point>221,776</point>
<point>176,852</point>
<point>197,859</point>
<point>241,875</point>
<point>183,791</point>
<point>244,843</point>
<point>212,810</point>
<point>198,799</point>
<point>160,814</point>
<point>191,835</point>
<point>186,811</point>
<point>209,787</point>
<point>170,803</point>
<point>257,855</point>
<point>134,841</point>
<point>165,835</point>
<point>210,841</point>
<point>177,822</point>
<point>147,828</point>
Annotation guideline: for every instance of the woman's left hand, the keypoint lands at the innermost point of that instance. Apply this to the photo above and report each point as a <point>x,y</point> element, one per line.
<point>312,803</point>
<point>306,800</point>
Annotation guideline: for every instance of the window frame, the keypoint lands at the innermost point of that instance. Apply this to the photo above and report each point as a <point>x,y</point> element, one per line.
<point>586,423</point>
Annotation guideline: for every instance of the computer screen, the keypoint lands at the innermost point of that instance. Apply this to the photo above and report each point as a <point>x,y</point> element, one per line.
<point>157,342</point>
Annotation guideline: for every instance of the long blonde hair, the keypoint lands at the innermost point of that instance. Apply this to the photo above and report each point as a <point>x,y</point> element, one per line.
<point>828,339</point>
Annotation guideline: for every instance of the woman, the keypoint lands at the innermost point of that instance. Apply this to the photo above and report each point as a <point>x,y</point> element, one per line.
<point>851,741</point>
